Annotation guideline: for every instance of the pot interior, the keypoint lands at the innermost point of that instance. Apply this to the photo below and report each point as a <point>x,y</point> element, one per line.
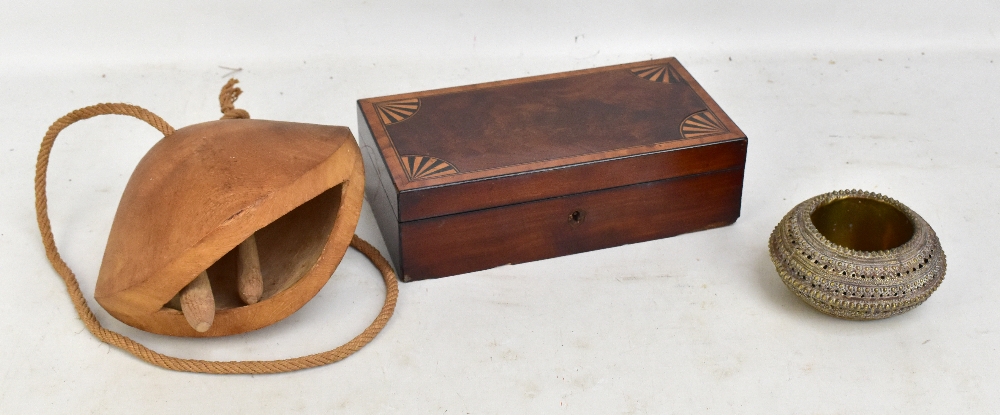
<point>863,224</point>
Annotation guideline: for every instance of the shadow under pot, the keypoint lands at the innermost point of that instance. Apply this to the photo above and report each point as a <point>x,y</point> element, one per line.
<point>857,255</point>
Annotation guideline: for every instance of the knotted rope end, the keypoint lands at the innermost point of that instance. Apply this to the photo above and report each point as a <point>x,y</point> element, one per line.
<point>227,99</point>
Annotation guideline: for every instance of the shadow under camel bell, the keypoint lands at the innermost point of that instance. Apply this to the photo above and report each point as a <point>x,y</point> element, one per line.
<point>239,221</point>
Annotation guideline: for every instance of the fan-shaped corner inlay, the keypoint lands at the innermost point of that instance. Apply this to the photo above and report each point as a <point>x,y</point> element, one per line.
<point>658,73</point>
<point>702,124</point>
<point>392,112</point>
<point>426,167</point>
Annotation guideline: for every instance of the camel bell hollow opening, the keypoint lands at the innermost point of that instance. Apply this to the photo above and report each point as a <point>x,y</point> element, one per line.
<point>288,248</point>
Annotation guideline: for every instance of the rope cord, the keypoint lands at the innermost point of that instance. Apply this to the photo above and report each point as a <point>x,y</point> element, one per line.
<point>226,100</point>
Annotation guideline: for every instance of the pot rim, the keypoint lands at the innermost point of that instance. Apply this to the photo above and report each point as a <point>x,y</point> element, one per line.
<point>805,210</point>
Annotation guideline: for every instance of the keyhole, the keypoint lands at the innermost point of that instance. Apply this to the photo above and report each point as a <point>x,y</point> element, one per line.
<point>576,217</point>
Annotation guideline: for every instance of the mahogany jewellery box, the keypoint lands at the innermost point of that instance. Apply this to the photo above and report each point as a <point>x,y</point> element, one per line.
<point>473,177</point>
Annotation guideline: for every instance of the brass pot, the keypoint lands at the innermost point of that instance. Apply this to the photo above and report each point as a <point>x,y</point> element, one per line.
<point>857,255</point>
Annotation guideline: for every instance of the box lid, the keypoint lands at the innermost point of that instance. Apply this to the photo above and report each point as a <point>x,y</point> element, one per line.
<point>479,146</point>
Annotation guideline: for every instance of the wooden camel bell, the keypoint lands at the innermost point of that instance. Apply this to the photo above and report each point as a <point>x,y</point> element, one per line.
<point>237,223</point>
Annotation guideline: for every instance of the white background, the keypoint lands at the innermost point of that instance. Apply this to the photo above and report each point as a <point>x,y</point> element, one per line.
<point>895,97</point>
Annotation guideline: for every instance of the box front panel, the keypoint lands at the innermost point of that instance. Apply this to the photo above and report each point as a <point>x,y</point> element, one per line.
<point>484,239</point>
<point>587,177</point>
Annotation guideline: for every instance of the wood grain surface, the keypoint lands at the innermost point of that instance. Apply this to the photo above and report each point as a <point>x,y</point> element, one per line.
<point>513,126</point>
